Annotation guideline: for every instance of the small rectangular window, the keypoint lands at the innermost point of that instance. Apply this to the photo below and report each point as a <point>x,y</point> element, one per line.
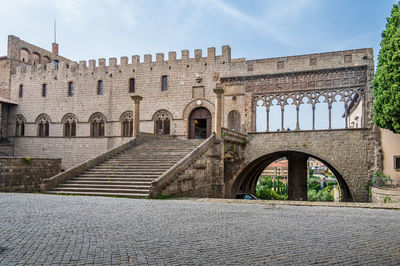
<point>21,88</point>
<point>70,88</point>
<point>164,85</point>
<point>397,163</point>
<point>44,90</point>
<point>131,85</point>
<point>100,87</point>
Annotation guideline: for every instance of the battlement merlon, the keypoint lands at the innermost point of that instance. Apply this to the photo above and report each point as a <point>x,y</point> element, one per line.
<point>16,45</point>
<point>101,63</point>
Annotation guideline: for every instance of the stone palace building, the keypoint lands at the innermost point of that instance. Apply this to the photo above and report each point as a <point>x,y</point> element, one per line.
<point>54,107</point>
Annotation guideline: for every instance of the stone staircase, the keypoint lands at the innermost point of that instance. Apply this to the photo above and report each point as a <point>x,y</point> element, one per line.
<point>130,173</point>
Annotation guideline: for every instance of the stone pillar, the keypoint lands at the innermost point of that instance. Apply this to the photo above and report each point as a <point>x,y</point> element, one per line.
<point>330,115</point>
<point>297,176</point>
<point>267,119</point>
<point>283,118</point>
<point>218,110</point>
<point>136,123</point>
<point>1,121</point>
<point>345,115</point>
<point>297,122</point>
<point>313,117</point>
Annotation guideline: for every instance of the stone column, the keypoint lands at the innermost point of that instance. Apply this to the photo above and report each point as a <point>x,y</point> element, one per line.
<point>1,120</point>
<point>218,110</point>
<point>283,118</point>
<point>297,177</point>
<point>267,119</point>
<point>136,125</point>
<point>313,117</point>
<point>297,123</point>
<point>330,115</point>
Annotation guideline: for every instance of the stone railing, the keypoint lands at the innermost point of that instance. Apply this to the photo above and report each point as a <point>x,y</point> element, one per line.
<point>25,174</point>
<point>82,167</point>
<point>385,195</point>
<point>233,136</point>
<point>171,174</point>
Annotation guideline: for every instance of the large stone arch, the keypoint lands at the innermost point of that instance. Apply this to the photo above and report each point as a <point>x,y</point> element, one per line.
<point>349,152</point>
<point>245,180</point>
<point>193,105</point>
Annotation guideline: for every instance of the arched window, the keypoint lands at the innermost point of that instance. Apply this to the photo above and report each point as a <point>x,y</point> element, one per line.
<point>234,120</point>
<point>43,125</point>
<point>97,125</point>
<point>127,124</point>
<point>24,55</point>
<point>162,122</point>
<point>20,126</point>
<point>69,124</point>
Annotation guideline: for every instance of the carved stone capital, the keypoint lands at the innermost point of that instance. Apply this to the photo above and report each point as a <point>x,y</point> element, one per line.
<point>137,98</point>
<point>219,91</point>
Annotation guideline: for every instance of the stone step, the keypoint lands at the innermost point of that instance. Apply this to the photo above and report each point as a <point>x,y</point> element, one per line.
<point>126,171</point>
<point>111,182</point>
<point>142,160</point>
<point>128,166</point>
<point>112,175</point>
<point>161,157</point>
<point>115,179</point>
<point>107,190</point>
<point>104,194</point>
<point>130,173</point>
<point>104,186</point>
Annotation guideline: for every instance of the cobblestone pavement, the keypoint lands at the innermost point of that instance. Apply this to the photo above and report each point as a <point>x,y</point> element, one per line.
<point>49,229</point>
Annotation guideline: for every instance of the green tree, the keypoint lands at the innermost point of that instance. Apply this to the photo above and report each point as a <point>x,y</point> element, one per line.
<point>386,85</point>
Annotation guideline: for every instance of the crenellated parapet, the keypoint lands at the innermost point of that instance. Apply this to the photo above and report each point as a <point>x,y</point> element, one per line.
<point>103,65</point>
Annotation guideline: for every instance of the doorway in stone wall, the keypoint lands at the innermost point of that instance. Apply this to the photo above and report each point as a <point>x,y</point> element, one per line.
<point>200,123</point>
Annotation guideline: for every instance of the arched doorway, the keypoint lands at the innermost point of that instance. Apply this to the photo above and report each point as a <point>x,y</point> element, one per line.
<point>246,180</point>
<point>200,123</point>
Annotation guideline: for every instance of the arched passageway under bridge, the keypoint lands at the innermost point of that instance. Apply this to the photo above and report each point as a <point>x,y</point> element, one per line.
<point>348,153</point>
<point>297,175</point>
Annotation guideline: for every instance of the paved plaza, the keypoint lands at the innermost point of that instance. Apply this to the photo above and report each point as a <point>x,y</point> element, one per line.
<point>48,229</point>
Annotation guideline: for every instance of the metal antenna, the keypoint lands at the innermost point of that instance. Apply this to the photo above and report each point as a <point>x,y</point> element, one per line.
<point>55,41</point>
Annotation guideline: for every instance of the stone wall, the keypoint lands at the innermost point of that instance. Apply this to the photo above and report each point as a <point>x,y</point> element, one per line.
<point>5,69</point>
<point>72,150</point>
<point>385,195</point>
<point>199,174</point>
<point>26,174</point>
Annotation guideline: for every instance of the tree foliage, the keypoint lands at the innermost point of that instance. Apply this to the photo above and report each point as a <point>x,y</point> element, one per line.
<point>386,85</point>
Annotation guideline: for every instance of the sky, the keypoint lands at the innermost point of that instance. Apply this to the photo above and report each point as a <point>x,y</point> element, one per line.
<point>92,29</point>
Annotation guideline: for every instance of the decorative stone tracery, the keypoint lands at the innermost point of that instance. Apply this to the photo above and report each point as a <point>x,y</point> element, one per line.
<point>20,126</point>
<point>97,125</point>
<point>162,122</point>
<point>308,97</point>
<point>127,124</point>
<point>69,124</point>
<point>43,125</point>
